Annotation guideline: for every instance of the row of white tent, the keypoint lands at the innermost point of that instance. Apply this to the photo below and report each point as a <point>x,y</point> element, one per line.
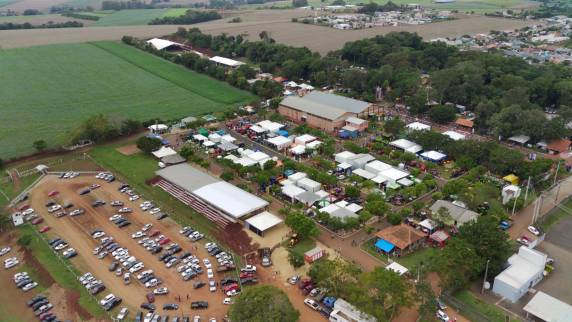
<point>249,157</point>
<point>418,126</point>
<point>298,187</point>
<point>295,144</point>
<point>224,142</point>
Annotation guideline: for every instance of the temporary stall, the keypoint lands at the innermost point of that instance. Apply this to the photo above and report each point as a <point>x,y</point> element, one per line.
<point>286,182</point>
<point>397,268</point>
<point>158,128</point>
<point>246,162</point>
<point>519,139</point>
<point>360,160</point>
<point>313,255</point>
<point>292,191</point>
<point>208,143</point>
<point>455,136</point>
<point>215,137</point>
<point>354,207</point>
<point>200,138</point>
<point>297,177</point>
<point>227,146</point>
<point>364,174</point>
<point>304,139</point>
<point>270,126</point>
<point>228,138</point>
<point>377,166</point>
<point>298,149</point>
<point>343,167</point>
<point>406,146</point>
<point>343,214</point>
<point>163,152</point>
<point>279,142</point>
<point>308,198</point>
<point>428,226</point>
<point>314,145</point>
<point>259,157</point>
<point>344,157</point>
<point>439,238</point>
<point>393,174</point>
<point>262,222</point>
<point>418,126</point>
<point>323,194</point>
<point>309,184</point>
<point>433,156</point>
<point>232,158</point>
<point>379,180</point>
<point>257,129</point>
<point>405,182</point>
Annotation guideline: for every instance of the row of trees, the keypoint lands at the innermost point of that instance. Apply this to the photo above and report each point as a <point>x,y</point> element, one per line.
<point>50,24</point>
<point>190,17</point>
<point>124,5</point>
<point>100,128</point>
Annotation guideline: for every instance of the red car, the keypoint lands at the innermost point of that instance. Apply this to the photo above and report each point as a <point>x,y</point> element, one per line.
<point>24,207</point>
<point>231,287</point>
<point>37,221</point>
<point>150,297</point>
<point>53,193</point>
<point>164,241</point>
<point>154,233</point>
<point>246,275</point>
<point>44,229</point>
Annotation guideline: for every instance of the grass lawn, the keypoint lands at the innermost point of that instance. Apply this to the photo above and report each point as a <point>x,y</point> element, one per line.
<point>133,17</point>
<point>492,312</point>
<point>138,168</point>
<point>412,261</point>
<point>47,90</point>
<point>175,12</point>
<point>10,191</point>
<point>59,272</point>
<point>303,246</point>
<point>555,216</point>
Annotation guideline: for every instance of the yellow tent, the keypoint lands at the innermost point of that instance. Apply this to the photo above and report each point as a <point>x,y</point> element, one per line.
<point>512,179</point>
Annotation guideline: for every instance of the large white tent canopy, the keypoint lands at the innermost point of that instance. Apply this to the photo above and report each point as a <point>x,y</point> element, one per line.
<point>230,198</point>
<point>264,221</point>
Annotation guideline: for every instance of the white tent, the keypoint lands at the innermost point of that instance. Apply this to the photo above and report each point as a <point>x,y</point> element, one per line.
<point>405,182</point>
<point>161,44</point>
<point>208,143</point>
<point>280,142</point>
<point>364,174</point>
<point>314,144</point>
<point>379,179</point>
<point>344,166</point>
<point>286,182</point>
<point>309,184</point>
<point>158,128</point>
<point>292,191</point>
<point>455,136</point>
<point>200,137</point>
<point>418,126</point>
<point>270,126</point>
<point>257,129</point>
<point>393,174</point>
<point>259,156</point>
<point>298,149</point>
<point>548,308</point>
<point>406,145</point>
<point>230,199</point>
<point>263,222</point>
<point>215,137</point>
<point>377,166</point>
<point>228,138</point>
<point>433,156</point>
<point>297,177</point>
<point>304,139</point>
<point>226,61</point>
<point>344,157</point>
<point>397,268</point>
<point>163,152</point>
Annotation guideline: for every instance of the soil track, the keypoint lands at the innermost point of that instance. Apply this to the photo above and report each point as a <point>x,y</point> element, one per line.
<point>76,231</point>
<point>276,22</point>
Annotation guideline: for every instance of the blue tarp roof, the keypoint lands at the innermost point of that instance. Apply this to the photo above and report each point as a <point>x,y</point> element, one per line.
<point>384,245</point>
<point>283,133</point>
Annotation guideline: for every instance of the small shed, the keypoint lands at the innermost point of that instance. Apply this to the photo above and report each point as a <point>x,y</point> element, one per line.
<point>397,268</point>
<point>439,238</point>
<point>519,139</point>
<point>304,139</point>
<point>297,177</point>
<point>279,142</point>
<point>455,136</point>
<point>344,157</point>
<point>309,184</point>
<point>262,222</point>
<point>313,255</point>
<point>433,156</point>
<point>158,128</point>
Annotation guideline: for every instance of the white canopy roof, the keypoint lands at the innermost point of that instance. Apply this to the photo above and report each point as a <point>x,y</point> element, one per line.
<point>454,135</point>
<point>377,166</point>
<point>354,120</point>
<point>215,137</point>
<point>246,162</point>
<point>521,139</point>
<point>226,61</point>
<point>364,174</point>
<point>393,174</point>
<point>163,152</point>
<point>330,208</point>
<point>298,149</point>
<point>280,142</point>
<point>231,199</point>
<point>433,155</point>
<point>305,138</point>
<point>259,156</point>
<point>292,191</point>
<point>323,194</point>
<point>161,44</point>
<point>286,182</point>
<point>402,144</point>
<point>208,143</point>
<point>297,176</point>
<point>200,137</point>
<point>379,179</point>
<point>314,144</point>
<point>228,138</point>
<point>270,126</point>
<point>306,86</point>
<point>158,127</point>
<point>344,166</point>
<point>397,268</point>
<point>405,182</point>
<point>548,308</point>
<point>428,223</point>
<point>257,129</point>
<point>264,221</point>
<point>418,126</point>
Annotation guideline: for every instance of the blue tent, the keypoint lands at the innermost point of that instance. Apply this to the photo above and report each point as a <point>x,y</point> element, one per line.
<point>384,245</point>
<point>283,133</point>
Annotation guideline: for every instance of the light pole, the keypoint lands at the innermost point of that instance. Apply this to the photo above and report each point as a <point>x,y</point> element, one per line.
<point>485,278</point>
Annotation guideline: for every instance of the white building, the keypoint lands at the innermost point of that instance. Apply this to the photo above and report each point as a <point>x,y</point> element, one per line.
<point>525,270</point>
<point>345,312</point>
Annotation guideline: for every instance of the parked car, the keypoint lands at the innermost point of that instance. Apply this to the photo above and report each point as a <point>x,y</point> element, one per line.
<point>312,304</point>
<point>199,305</point>
<point>534,230</point>
<point>442,316</point>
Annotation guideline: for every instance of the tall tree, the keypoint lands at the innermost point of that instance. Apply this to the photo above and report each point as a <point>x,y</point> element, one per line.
<point>302,225</point>
<point>263,303</point>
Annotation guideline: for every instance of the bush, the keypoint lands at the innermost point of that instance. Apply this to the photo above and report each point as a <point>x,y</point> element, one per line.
<point>394,219</point>
<point>227,176</point>
<point>25,240</point>
<point>148,144</point>
<point>295,259</point>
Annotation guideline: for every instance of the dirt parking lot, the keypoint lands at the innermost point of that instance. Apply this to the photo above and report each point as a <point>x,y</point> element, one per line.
<point>76,231</point>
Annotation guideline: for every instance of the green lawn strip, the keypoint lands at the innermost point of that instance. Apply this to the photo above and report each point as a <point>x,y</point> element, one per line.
<point>556,215</point>
<point>64,277</point>
<point>303,246</point>
<point>138,168</point>
<point>424,255</point>
<point>199,84</point>
<point>8,189</point>
<point>131,17</point>
<point>175,12</point>
<point>490,311</point>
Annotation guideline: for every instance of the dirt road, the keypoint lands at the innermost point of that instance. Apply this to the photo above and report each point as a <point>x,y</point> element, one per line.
<point>76,231</point>
<point>276,22</point>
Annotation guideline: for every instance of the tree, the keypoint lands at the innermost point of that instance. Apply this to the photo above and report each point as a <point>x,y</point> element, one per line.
<point>386,293</point>
<point>295,259</point>
<point>426,298</point>
<point>443,216</point>
<point>263,303</point>
<point>442,114</point>
<point>1,164</point>
<point>302,225</point>
<point>299,3</point>
<point>394,126</point>
<point>458,264</point>
<point>148,144</point>
<point>227,176</point>
<point>377,208</point>
<point>352,192</point>
<point>40,145</point>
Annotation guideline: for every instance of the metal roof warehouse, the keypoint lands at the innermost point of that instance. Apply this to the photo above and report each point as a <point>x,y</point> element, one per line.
<point>218,200</point>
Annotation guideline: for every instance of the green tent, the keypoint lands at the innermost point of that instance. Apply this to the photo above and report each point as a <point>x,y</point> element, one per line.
<point>204,132</point>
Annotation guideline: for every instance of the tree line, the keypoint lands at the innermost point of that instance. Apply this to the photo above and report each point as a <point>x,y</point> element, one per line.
<point>80,16</point>
<point>493,87</point>
<point>27,25</point>
<point>190,17</point>
<point>125,5</point>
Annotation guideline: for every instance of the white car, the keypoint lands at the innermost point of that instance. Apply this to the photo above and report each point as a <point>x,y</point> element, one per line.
<point>108,298</point>
<point>137,267</point>
<point>210,273</point>
<point>149,317</point>
<point>248,268</point>
<point>98,234</point>
<point>161,291</point>
<point>11,264</point>
<point>232,293</point>
<point>54,208</point>
<point>152,283</point>
<point>212,285</point>
<point>146,227</point>
<point>227,301</point>
<point>442,316</point>
<point>138,234</point>
<point>134,197</point>
<point>5,251</point>
<point>534,230</point>
<point>28,212</point>
<point>122,314</point>
<point>155,211</point>
<point>311,303</point>
<point>61,246</point>
<point>20,275</point>
<point>115,217</point>
<point>207,263</point>
<point>29,286</point>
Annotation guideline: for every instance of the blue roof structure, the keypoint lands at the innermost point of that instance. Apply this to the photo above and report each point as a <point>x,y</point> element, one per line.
<point>384,245</point>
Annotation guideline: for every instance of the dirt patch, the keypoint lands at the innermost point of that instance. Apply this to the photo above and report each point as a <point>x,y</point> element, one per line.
<point>72,298</point>
<point>237,239</point>
<point>129,149</point>
<point>45,278</point>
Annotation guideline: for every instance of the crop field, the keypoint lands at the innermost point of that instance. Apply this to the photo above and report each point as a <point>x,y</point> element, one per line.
<point>42,19</point>
<point>48,90</point>
<point>135,17</point>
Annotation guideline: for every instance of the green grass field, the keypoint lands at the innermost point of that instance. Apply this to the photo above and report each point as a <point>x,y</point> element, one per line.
<point>6,2</point>
<point>48,90</point>
<point>131,17</point>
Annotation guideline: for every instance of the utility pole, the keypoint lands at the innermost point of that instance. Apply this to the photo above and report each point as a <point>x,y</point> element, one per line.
<point>485,278</point>
<point>526,193</point>
<point>556,174</point>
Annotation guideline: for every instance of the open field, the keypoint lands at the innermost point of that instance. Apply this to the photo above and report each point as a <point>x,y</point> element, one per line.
<point>131,17</point>
<point>317,38</point>
<point>65,84</point>
<point>21,5</point>
<point>42,19</point>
